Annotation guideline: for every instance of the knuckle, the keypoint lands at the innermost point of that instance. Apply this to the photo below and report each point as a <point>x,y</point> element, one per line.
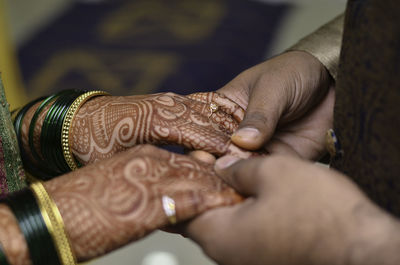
<point>148,148</point>
<point>170,94</point>
<point>256,117</point>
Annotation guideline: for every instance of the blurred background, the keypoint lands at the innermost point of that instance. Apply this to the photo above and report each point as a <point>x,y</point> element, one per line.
<point>146,46</point>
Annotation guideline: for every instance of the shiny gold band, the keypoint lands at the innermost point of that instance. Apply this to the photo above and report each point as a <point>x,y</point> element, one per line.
<point>65,139</point>
<point>169,207</point>
<point>54,223</point>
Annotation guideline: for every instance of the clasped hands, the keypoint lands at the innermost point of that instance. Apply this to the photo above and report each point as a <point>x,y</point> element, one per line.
<point>117,197</point>
<point>294,212</point>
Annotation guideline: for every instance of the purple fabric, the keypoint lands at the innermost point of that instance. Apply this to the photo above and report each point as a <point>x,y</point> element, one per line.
<point>3,179</point>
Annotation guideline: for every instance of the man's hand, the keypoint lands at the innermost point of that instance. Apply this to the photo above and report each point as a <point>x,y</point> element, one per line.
<point>289,105</point>
<point>296,213</point>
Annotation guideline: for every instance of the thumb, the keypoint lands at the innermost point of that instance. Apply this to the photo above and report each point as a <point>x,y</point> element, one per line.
<point>262,115</point>
<point>244,176</point>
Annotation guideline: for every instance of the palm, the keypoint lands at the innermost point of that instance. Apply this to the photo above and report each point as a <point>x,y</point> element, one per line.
<point>305,136</point>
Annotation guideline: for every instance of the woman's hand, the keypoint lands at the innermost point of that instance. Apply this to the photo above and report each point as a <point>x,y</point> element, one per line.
<point>118,200</point>
<point>108,204</point>
<point>296,213</point>
<point>107,125</point>
<point>289,105</point>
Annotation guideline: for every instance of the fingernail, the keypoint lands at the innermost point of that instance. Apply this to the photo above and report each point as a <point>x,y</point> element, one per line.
<point>225,162</point>
<point>247,132</point>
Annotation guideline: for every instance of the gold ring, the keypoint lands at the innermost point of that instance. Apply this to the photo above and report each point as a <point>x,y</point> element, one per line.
<point>169,209</point>
<point>213,108</point>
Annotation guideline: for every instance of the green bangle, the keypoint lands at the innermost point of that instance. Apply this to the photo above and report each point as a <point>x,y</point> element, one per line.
<point>51,133</point>
<point>39,241</point>
<point>17,126</point>
<point>60,155</point>
<point>58,152</point>
<point>49,146</point>
<point>44,144</point>
<point>43,105</point>
<point>3,258</point>
<point>20,117</point>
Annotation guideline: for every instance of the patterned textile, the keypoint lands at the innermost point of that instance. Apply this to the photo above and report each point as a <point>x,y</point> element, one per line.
<point>324,44</point>
<point>367,111</point>
<point>12,176</point>
<point>146,46</point>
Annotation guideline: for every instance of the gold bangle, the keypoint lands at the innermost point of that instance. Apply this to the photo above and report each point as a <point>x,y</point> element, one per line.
<point>54,223</point>
<point>72,110</point>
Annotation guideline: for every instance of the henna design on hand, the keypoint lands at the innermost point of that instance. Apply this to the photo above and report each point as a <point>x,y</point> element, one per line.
<point>106,205</point>
<point>224,103</point>
<point>107,125</point>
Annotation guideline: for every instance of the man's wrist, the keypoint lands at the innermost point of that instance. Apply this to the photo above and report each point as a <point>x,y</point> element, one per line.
<point>311,64</point>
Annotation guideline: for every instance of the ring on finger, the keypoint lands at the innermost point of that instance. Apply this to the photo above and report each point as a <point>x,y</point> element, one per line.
<point>169,207</point>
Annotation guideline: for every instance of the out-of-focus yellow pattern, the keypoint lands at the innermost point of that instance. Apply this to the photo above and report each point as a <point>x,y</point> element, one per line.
<point>9,67</point>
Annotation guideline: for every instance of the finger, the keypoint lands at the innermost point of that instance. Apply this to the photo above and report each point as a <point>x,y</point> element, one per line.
<point>142,150</point>
<point>245,176</point>
<point>278,147</point>
<point>215,230</point>
<point>262,115</point>
<point>223,103</point>
<point>210,225</point>
<point>234,150</point>
<point>197,137</point>
<point>228,106</point>
<point>190,124</point>
<point>203,156</point>
<point>190,203</point>
<point>177,119</point>
<point>223,122</point>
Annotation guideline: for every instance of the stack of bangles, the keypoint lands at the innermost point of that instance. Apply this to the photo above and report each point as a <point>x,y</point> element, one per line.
<point>38,216</point>
<point>54,157</point>
<point>41,225</point>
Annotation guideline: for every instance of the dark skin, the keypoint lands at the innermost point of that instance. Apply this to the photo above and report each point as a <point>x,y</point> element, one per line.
<point>289,105</point>
<point>295,212</point>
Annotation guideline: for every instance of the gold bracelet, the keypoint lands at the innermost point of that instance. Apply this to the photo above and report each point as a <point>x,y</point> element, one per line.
<point>72,110</point>
<point>54,223</point>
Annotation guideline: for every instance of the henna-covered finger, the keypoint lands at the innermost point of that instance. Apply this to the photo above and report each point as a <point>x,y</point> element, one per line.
<point>225,104</point>
<point>236,151</point>
<point>203,156</point>
<point>196,137</point>
<point>189,203</point>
